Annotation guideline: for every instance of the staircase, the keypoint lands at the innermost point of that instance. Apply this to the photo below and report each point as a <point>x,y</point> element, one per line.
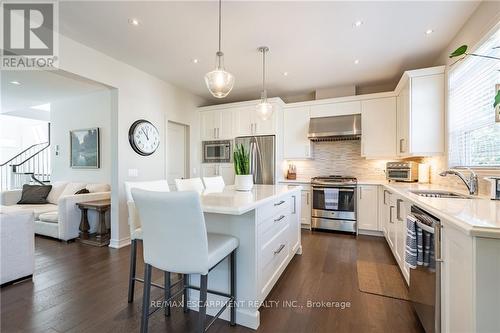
<point>31,166</point>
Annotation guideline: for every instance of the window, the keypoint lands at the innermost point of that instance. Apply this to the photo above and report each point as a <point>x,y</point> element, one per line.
<point>473,135</point>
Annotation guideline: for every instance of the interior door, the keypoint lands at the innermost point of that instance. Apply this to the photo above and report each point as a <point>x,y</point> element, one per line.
<point>177,143</point>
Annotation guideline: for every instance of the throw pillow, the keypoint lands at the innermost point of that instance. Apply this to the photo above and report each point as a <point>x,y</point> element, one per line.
<point>55,193</point>
<point>82,191</point>
<point>34,194</point>
<point>94,188</point>
<point>71,188</point>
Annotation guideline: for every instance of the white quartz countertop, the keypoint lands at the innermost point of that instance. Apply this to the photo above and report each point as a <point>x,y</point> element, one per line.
<point>232,202</point>
<point>479,216</point>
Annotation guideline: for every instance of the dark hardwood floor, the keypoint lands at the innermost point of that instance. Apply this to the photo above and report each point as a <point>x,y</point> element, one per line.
<point>78,288</point>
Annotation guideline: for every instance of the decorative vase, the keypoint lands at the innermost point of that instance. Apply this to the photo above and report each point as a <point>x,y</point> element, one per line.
<point>243,182</point>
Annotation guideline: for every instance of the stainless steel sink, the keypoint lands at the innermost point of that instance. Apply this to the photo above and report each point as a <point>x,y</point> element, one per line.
<point>440,194</point>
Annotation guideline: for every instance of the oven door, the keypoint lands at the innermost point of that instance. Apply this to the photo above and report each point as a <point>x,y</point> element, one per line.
<point>399,174</point>
<point>346,204</point>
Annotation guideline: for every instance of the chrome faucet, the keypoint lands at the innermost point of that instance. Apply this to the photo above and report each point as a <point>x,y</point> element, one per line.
<point>471,183</point>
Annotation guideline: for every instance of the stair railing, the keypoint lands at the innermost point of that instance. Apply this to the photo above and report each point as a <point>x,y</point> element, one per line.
<point>33,161</point>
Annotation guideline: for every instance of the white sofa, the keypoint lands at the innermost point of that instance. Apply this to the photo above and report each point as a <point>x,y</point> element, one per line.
<point>17,245</point>
<point>60,217</point>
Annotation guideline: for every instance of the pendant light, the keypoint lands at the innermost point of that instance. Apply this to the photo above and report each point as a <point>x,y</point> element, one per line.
<point>264,108</point>
<point>219,82</point>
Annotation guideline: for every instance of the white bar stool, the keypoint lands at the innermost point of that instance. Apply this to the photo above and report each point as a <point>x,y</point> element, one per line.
<point>175,240</point>
<point>135,228</point>
<point>191,184</point>
<point>214,184</point>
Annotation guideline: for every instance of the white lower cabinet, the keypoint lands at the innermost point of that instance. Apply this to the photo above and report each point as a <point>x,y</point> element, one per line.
<point>279,239</point>
<point>367,210</point>
<point>225,170</point>
<point>305,215</point>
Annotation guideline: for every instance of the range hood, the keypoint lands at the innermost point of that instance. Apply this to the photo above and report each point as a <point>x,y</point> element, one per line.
<point>335,128</point>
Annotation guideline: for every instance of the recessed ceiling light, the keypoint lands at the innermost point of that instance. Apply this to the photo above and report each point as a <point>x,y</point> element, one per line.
<point>358,23</point>
<point>285,73</point>
<point>134,21</point>
<point>17,83</point>
<point>195,61</point>
<point>429,31</point>
<point>356,61</point>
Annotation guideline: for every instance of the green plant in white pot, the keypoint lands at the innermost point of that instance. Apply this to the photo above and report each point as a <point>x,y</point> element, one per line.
<point>243,180</point>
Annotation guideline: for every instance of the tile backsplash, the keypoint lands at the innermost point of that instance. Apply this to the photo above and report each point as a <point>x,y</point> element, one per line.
<point>340,158</point>
<point>344,158</point>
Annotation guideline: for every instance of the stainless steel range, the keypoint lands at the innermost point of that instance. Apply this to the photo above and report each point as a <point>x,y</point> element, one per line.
<point>334,203</point>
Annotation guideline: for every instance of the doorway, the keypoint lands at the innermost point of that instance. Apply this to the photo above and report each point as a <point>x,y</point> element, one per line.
<point>177,152</point>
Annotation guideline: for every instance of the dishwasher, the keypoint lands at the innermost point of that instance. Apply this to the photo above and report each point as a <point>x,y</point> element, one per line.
<point>425,281</point>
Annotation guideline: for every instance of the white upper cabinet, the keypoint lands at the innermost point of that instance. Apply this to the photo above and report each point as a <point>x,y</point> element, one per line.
<point>335,109</point>
<point>420,112</point>
<point>296,145</point>
<point>247,122</point>
<point>379,127</point>
<point>216,125</point>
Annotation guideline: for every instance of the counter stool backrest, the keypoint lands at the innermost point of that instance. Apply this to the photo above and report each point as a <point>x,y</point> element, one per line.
<point>174,231</point>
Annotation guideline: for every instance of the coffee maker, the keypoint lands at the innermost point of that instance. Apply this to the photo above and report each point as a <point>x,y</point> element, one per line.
<point>495,187</point>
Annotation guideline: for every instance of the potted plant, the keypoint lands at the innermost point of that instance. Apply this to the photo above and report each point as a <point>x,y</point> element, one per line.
<point>244,179</point>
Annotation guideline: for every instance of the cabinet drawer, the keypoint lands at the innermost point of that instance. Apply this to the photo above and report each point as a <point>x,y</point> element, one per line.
<point>271,227</point>
<point>273,208</point>
<point>273,255</point>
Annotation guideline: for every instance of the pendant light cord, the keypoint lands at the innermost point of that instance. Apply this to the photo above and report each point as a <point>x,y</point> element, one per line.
<point>220,19</point>
<point>264,92</point>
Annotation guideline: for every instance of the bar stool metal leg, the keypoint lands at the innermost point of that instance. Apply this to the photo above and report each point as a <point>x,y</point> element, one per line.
<point>133,265</point>
<point>232,287</point>
<point>167,293</point>
<point>186,291</point>
<point>202,309</point>
<point>145,298</point>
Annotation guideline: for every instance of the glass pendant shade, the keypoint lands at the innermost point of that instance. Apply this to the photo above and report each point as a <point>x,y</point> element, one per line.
<point>219,82</point>
<point>264,110</point>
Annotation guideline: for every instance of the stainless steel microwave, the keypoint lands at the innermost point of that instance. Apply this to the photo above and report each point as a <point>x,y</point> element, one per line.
<point>217,151</point>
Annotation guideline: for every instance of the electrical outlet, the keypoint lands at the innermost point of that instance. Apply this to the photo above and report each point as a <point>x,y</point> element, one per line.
<point>133,173</point>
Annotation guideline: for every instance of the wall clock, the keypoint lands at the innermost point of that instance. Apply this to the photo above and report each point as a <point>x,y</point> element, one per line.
<point>143,137</point>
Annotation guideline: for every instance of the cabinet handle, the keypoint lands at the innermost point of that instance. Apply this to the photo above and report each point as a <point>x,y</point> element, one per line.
<point>218,133</point>
<point>437,237</point>
<point>279,203</point>
<point>255,126</point>
<point>215,135</point>
<point>398,210</point>
<point>401,150</point>
<point>294,204</point>
<point>390,214</point>
<point>385,200</point>
<point>282,246</point>
<point>360,193</point>
<point>307,198</point>
<point>279,218</point>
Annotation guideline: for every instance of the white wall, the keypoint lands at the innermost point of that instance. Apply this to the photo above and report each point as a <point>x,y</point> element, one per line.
<point>85,111</point>
<point>136,95</point>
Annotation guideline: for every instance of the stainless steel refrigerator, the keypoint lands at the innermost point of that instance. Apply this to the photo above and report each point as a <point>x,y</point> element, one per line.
<point>262,157</point>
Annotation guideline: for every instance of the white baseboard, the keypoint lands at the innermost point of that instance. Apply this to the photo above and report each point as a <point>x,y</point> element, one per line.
<point>119,243</point>
<point>371,233</point>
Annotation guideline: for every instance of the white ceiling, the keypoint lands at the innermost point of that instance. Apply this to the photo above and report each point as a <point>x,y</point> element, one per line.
<point>40,87</point>
<point>315,42</point>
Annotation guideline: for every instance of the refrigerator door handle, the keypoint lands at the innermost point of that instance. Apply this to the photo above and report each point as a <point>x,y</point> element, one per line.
<point>253,157</point>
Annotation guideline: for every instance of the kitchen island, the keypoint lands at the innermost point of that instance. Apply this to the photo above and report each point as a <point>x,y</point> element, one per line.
<point>266,221</point>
